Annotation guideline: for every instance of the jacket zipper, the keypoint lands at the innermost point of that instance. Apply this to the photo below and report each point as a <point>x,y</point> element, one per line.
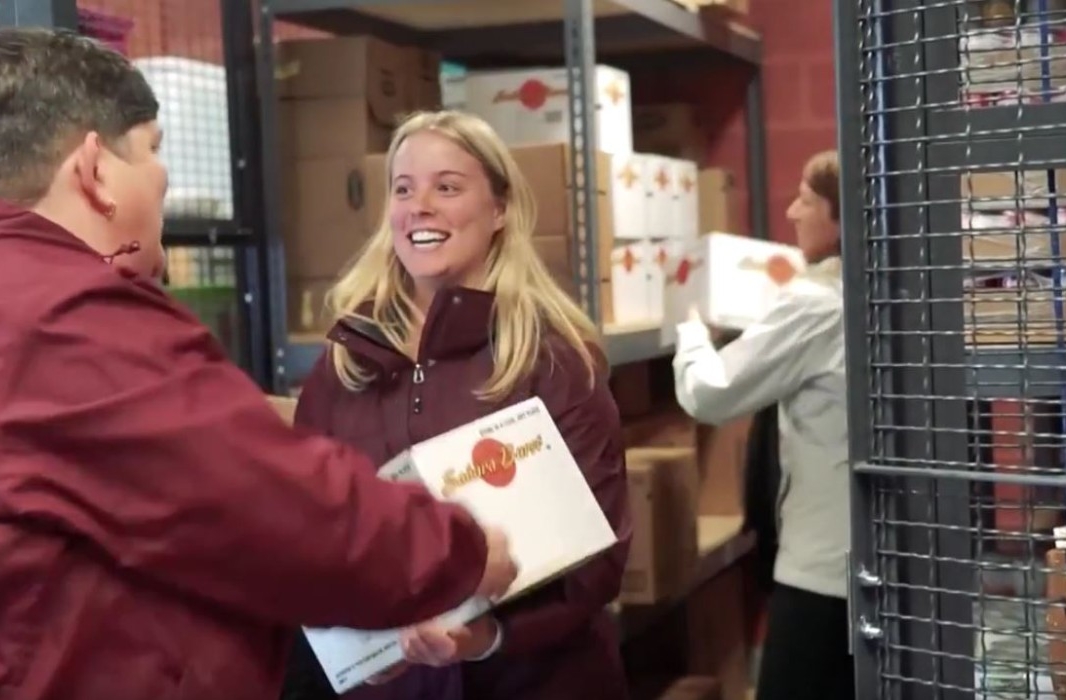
<point>417,380</point>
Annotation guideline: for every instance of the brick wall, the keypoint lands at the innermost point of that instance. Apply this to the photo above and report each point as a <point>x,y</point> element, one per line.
<point>798,82</point>
<point>185,28</point>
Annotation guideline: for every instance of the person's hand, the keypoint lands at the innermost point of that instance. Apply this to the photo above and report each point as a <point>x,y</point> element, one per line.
<point>388,674</point>
<point>432,645</point>
<point>694,313</point>
<point>500,568</point>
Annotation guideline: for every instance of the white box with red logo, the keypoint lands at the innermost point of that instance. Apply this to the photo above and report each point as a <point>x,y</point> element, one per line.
<point>531,106</point>
<point>636,283</point>
<point>733,280</point>
<point>659,192</point>
<point>510,469</point>
<point>684,199</point>
<point>629,199</point>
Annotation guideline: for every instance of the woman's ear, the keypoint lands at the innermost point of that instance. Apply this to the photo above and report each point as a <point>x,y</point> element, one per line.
<point>499,217</point>
<point>88,164</point>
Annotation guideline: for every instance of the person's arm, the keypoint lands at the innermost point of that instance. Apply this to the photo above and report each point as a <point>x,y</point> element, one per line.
<point>124,426</point>
<point>589,422</point>
<point>769,361</point>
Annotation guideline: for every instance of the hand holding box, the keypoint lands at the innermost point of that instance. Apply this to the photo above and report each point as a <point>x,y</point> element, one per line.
<point>512,471</point>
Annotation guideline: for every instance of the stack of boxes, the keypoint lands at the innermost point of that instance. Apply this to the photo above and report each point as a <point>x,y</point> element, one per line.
<point>329,122</point>
<point>648,199</point>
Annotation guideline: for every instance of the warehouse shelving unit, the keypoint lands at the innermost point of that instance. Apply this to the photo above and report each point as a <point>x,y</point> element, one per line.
<point>484,33</point>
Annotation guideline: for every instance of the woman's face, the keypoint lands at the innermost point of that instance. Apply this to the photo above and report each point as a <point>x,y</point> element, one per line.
<point>442,213</point>
<point>817,234</point>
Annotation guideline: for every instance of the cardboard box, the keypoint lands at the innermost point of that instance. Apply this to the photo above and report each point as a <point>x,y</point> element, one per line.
<point>516,465</point>
<point>684,200</point>
<point>716,200</point>
<point>733,280</point>
<point>666,429</point>
<point>547,169</point>
<point>629,196</point>
<point>721,454</point>
<point>340,101</point>
<point>357,66</point>
<point>1011,237</point>
<point>663,551</point>
<point>325,215</point>
<point>636,284</point>
<point>1010,189</point>
<point>669,130</point>
<point>532,106</point>
<point>659,189</point>
<point>1010,316</point>
<point>338,126</point>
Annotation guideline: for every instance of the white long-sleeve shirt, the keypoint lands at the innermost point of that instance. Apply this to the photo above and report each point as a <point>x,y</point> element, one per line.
<point>795,357</point>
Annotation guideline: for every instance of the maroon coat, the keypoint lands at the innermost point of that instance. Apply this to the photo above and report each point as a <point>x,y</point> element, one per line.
<point>160,526</point>
<point>559,642</point>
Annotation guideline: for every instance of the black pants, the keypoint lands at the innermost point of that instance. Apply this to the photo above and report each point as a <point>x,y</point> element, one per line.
<point>805,655</point>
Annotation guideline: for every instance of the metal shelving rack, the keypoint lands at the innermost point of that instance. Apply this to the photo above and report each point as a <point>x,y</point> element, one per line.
<point>489,33</point>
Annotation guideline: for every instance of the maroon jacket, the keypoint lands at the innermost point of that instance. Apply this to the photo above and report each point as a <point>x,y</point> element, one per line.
<point>159,525</point>
<point>559,643</point>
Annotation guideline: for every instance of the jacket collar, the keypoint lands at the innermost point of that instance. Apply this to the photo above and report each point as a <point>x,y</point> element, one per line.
<point>459,322</point>
<point>19,222</point>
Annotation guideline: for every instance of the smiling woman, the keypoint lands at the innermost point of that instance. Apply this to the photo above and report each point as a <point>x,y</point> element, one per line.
<point>448,316</point>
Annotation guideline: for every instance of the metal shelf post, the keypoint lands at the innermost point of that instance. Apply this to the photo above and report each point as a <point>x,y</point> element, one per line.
<point>579,28</point>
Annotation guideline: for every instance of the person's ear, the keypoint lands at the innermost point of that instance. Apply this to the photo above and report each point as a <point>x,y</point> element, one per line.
<point>499,217</point>
<point>89,165</point>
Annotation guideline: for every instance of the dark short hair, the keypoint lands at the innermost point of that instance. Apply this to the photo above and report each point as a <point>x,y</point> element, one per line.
<point>822,175</point>
<point>55,87</point>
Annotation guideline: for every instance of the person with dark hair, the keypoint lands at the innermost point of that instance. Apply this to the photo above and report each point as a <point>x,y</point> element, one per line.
<point>794,358</point>
<point>162,531</point>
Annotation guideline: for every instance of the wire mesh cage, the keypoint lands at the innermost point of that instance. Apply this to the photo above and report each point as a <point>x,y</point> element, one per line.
<point>178,46</point>
<point>953,139</point>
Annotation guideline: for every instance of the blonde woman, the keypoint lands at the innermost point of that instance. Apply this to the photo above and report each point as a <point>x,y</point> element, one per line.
<point>448,315</point>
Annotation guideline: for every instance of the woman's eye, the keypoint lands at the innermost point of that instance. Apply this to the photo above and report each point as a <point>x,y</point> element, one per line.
<point>400,190</point>
<point>448,188</point>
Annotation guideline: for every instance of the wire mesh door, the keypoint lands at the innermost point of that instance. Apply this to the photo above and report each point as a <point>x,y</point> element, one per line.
<point>953,145</point>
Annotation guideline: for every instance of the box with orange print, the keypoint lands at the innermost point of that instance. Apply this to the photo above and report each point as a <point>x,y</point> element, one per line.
<point>509,469</point>
<point>733,281</point>
<point>532,106</point>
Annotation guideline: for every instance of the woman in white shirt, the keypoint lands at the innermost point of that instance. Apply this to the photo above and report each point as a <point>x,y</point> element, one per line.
<point>794,357</point>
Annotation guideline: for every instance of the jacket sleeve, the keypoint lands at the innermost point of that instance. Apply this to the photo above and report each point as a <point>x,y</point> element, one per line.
<point>124,426</point>
<point>589,422</point>
<point>769,361</point>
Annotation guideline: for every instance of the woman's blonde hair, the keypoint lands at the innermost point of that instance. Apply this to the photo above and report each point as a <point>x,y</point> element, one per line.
<point>377,288</point>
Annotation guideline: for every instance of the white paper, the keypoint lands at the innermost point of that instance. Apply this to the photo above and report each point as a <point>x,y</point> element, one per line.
<point>511,469</point>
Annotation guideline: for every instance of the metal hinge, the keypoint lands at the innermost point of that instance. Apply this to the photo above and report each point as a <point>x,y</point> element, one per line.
<point>864,579</point>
